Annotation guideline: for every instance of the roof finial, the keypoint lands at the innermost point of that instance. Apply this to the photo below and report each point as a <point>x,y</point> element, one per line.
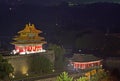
<point>29,24</point>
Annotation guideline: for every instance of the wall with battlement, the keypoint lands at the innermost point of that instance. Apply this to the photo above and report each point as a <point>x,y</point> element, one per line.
<point>21,64</point>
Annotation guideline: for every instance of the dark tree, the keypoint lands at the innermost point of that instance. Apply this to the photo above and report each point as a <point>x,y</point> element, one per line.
<point>5,68</point>
<point>41,64</point>
<point>59,55</point>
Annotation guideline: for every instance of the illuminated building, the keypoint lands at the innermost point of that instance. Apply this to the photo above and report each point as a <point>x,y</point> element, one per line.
<point>83,61</point>
<point>28,41</point>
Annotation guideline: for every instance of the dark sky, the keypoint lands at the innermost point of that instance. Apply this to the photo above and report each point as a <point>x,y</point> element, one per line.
<point>103,15</point>
<point>59,20</point>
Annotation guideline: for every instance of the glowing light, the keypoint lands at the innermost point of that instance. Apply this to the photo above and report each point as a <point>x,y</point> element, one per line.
<point>22,50</point>
<point>10,9</point>
<point>27,74</point>
<point>53,70</point>
<point>11,75</point>
<point>24,70</point>
<point>84,65</point>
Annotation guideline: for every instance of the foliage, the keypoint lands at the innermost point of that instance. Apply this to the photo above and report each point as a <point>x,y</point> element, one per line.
<point>59,55</point>
<point>41,64</point>
<point>5,68</point>
<point>82,79</point>
<point>99,75</point>
<point>64,77</point>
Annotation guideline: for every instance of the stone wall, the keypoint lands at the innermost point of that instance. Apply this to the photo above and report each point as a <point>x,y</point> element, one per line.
<point>20,62</point>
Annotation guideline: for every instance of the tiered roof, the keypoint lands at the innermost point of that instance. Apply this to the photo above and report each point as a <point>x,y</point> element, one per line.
<point>29,35</point>
<point>84,58</point>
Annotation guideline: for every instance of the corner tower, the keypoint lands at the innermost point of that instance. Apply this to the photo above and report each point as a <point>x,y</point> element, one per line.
<point>28,41</point>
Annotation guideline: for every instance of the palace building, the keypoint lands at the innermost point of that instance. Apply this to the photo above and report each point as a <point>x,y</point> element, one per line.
<point>85,61</point>
<point>28,41</point>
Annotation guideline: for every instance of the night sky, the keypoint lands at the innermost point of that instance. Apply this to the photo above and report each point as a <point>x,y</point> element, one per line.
<point>13,11</point>
<point>55,18</point>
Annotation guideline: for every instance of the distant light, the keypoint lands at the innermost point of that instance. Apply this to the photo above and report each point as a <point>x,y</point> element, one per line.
<point>27,74</point>
<point>10,9</point>
<point>79,50</point>
<point>72,4</point>
<point>13,76</point>
<point>56,24</point>
<point>53,70</point>
<point>27,52</point>
<point>24,70</point>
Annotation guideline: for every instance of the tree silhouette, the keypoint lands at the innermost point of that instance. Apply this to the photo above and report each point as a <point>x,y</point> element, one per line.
<point>5,68</point>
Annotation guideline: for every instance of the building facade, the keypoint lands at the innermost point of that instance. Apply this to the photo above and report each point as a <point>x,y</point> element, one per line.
<point>83,61</point>
<point>28,41</point>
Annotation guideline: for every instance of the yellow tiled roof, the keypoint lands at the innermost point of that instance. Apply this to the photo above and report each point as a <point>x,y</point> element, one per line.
<point>30,28</point>
<point>29,35</point>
